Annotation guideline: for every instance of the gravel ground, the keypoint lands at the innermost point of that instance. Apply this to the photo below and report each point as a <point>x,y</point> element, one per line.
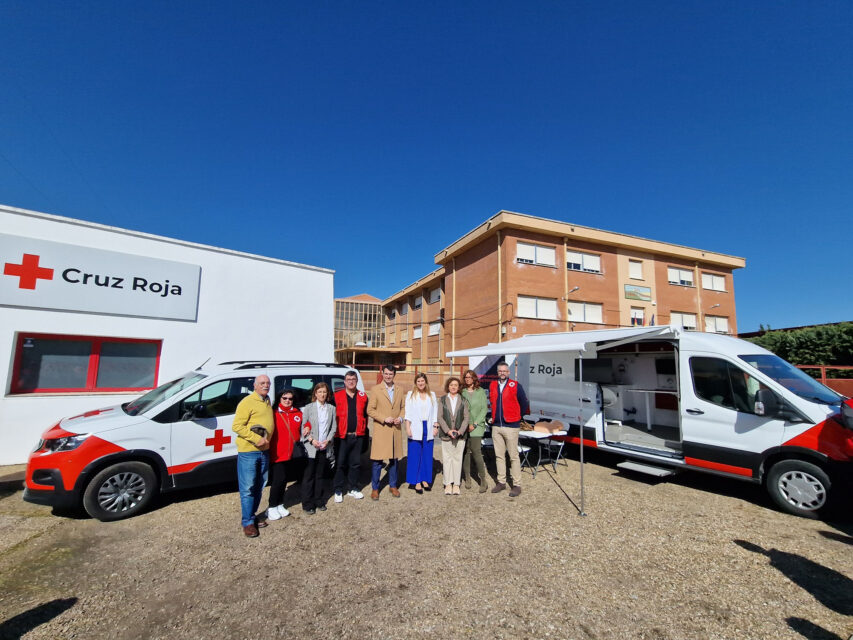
<point>692,557</point>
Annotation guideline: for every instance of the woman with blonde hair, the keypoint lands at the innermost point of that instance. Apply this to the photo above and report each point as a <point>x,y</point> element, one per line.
<point>421,427</point>
<point>453,420</point>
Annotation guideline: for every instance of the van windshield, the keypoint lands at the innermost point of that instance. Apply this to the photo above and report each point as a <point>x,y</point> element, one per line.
<point>163,392</point>
<point>793,379</point>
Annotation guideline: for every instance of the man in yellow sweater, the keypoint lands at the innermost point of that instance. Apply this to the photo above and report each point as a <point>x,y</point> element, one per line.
<point>252,460</point>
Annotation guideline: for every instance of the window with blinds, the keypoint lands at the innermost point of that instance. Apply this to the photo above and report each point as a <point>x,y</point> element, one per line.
<point>686,320</point>
<point>417,332</point>
<point>635,269</point>
<point>638,317</point>
<point>589,262</point>
<point>716,324</point>
<point>713,282</point>
<point>434,328</point>
<point>586,312</point>
<point>536,254</point>
<point>541,308</point>
<point>683,277</point>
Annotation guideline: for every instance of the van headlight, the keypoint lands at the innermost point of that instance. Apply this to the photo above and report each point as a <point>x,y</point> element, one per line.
<point>66,443</point>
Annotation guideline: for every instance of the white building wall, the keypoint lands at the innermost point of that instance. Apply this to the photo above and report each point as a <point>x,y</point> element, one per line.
<point>249,307</point>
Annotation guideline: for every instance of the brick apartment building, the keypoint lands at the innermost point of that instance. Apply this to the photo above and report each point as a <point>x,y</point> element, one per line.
<point>517,274</point>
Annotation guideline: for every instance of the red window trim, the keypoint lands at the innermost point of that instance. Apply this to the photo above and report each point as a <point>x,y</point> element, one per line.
<point>94,361</point>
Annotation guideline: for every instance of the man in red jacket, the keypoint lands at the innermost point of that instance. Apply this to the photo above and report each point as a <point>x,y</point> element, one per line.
<point>509,405</point>
<point>351,406</point>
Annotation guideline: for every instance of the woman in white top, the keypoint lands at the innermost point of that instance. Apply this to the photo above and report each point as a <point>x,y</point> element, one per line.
<point>319,423</point>
<point>421,427</point>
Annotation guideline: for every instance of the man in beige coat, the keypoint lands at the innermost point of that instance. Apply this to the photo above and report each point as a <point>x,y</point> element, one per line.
<point>387,408</point>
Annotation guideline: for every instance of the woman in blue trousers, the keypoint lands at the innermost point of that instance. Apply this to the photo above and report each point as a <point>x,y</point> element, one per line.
<point>421,427</point>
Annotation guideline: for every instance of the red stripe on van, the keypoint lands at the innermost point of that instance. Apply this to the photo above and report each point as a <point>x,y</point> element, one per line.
<point>718,466</point>
<point>183,468</point>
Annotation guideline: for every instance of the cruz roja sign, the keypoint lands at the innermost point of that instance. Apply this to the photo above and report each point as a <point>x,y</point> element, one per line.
<point>41,274</point>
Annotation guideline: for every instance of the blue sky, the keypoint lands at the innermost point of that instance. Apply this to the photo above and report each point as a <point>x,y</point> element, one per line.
<point>367,136</point>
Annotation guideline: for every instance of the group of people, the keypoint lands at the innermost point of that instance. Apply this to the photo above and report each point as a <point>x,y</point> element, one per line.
<point>278,439</point>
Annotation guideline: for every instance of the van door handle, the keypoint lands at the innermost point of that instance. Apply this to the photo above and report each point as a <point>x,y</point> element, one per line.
<point>695,412</point>
<point>585,400</point>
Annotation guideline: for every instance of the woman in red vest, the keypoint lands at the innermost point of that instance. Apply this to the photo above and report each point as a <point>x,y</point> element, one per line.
<point>288,431</point>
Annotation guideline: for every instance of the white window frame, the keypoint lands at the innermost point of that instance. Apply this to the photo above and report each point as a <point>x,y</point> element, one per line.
<point>404,309</point>
<point>527,253</point>
<point>713,282</point>
<point>716,324</point>
<point>589,312</point>
<point>434,328</point>
<point>418,303</point>
<point>434,295</point>
<point>539,308</point>
<point>680,277</point>
<point>417,332</point>
<point>586,262</point>
<point>679,317</point>
<point>638,317</point>
<point>404,335</point>
<point>635,269</point>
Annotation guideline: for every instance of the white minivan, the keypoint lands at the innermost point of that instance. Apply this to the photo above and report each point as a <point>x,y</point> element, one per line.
<point>681,399</point>
<point>113,460</point>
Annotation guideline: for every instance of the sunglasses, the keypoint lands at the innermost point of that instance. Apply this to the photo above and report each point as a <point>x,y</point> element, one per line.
<point>287,398</point>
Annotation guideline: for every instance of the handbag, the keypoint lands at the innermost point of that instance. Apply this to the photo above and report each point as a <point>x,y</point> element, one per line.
<point>299,450</point>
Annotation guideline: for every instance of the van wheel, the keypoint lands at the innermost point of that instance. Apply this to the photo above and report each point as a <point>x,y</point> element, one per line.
<point>120,491</point>
<point>799,487</point>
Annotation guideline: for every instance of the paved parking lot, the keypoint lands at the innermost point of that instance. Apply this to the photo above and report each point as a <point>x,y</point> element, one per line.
<point>694,557</point>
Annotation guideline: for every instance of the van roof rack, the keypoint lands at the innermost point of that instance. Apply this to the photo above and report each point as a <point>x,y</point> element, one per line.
<point>261,364</point>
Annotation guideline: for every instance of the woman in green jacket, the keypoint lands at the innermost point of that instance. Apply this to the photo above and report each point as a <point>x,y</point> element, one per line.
<point>476,397</point>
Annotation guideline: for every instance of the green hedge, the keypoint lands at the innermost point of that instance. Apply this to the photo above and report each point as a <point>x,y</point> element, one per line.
<point>826,344</point>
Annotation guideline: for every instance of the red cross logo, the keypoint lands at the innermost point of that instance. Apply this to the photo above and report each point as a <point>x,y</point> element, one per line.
<point>89,414</point>
<point>28,272</point>
<point>217,441</point>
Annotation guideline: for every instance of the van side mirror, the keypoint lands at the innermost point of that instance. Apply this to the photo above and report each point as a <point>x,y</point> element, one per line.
<point>766,403</point>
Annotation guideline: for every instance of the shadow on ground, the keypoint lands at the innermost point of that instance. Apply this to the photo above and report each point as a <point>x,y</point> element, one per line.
<point>23,623</point>
<point>832,589</point>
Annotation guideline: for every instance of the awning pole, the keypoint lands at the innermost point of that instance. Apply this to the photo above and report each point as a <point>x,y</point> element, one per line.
<point>580,425</point>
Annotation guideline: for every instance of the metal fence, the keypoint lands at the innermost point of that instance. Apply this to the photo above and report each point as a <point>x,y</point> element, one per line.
<point>843,386</point>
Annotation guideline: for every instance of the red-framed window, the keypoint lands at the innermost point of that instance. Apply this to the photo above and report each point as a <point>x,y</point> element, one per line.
<point>52,363</point>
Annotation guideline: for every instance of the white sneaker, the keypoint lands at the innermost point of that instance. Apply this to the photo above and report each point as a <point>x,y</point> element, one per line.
<point>273,514</point>
<point>339,497</point>
<point>282,512</point>
<point>358,495</point>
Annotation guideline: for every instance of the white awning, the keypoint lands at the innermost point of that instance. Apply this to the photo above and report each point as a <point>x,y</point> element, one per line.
<point>577,341</point>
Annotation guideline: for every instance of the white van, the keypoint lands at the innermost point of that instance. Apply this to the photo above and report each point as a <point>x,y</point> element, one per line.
<point>112,461</point>
<point>687,400</point>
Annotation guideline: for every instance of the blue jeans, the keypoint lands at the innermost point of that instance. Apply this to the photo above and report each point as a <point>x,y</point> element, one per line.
<point>251,477</point>
<point>377,469</point>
